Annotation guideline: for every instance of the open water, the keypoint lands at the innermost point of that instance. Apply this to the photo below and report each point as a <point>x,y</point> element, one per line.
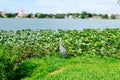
<point>55,24</point>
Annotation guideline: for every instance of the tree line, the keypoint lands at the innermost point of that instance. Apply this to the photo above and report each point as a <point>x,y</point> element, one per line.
<point>82,15</point>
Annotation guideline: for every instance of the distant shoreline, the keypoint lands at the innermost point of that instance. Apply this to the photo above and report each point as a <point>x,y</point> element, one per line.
<point>82,15</point>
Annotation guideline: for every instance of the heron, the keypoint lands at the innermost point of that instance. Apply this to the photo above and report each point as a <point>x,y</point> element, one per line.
<point>62,49</point>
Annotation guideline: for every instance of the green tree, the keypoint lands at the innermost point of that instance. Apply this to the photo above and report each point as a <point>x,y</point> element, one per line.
<point>11,15</point>
<point>100,15</point>
<point>113,16</point>
<point>105,16</point>
<point>84,12</point>
<point>60,16</point>
<point>50,15</point>
<point>37,15</point>
<point>30,15</point>
<point>76,15</point>
<point>94,14</point>
<point>40,15</point>
<point>90,15</point>
<point>82,16</point>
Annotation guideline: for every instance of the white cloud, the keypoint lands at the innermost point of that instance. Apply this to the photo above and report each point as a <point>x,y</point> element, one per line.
<point>52,6</point>
<point>51,3</point>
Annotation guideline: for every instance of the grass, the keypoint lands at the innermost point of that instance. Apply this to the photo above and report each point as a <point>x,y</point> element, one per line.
<point>87,67</point>
<point>17,47</point>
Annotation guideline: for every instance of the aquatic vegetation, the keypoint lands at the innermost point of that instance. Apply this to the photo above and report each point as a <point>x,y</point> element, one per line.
<point>26,43</point>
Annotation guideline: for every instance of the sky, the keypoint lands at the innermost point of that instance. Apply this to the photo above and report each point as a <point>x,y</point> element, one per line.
<point>61,6</point>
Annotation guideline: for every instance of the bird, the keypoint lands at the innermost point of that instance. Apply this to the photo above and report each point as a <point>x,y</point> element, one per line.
<point>62,49</point>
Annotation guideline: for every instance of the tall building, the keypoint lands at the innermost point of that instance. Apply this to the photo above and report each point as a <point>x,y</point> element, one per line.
<point>21,13</point>
<point>3,12</point>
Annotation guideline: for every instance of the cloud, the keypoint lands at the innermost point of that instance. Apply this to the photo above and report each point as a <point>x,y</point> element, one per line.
<point>51,3</point>
<point>75,5</point>
<point>53,6</point>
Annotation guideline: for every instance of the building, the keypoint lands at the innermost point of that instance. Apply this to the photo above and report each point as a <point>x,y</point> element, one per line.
<point>109,15</point>
<point>117,16</point>
<point>21,13</point>
<point>68,17</point>
<point>96,17</point>
<point>3,12</point>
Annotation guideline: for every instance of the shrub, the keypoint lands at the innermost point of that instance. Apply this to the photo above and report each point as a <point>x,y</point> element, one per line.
<point>7,68</point>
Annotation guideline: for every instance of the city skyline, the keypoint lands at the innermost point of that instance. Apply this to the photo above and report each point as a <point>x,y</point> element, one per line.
<point>61,6</point>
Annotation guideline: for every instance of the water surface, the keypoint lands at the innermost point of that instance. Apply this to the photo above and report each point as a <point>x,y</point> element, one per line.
<point>55,24</point>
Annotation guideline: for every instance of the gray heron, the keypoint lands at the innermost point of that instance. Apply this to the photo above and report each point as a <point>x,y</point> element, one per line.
<point>62,49</point>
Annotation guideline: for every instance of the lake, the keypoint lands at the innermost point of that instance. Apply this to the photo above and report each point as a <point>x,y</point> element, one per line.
<point>55,24</point>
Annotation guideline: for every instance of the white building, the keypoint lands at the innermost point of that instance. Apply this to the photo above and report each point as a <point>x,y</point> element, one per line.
<point>21,13</point>
<point>117,16</point>
<point>3,12</point>
<point>68,17</point>
<point>109,15</point>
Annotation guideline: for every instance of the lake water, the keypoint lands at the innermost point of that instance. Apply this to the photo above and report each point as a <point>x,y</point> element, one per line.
<point>55,24</point>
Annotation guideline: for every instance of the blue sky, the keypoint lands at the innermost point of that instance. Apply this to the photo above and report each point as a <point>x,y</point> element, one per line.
<point>61,6</point>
